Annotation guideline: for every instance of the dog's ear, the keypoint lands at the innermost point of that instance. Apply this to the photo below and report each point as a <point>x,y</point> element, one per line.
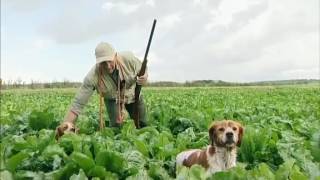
<point>60,130</point>
<point>212,134</point>
<point>240,135</point>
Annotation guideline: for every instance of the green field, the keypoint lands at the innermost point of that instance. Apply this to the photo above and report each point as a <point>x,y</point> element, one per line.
<point>281,141</point>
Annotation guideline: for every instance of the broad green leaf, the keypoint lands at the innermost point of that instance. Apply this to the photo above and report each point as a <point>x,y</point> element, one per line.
<point>71,142</point>
<point>182,173</point>
<point>262,172</point>
<point>157,172</point>
<point>99,171</point>
<point>80,176</point>
<point>30,175</point>
<point>40,120</point>
<point>6,175</point>
<point>151,130</point>
<point>86,151</point>
<point>65,172</point>
<point>45,138</point>
<point>15,160</point>
<point>54,149</point>
<point>135,159</point>
<point>284,170</point>
<point>84,161</point>
<point>19,143</point>
<point>224,175</point>
<point>128,130</point>
<point>142,147</point>
<point>112,161</point>
<point>142,174</point>
<point>296,174</point>
<point>193,173</point>
<point>315,146</point>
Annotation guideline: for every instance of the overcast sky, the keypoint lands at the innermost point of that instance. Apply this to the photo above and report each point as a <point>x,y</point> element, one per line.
<point>230,40</point>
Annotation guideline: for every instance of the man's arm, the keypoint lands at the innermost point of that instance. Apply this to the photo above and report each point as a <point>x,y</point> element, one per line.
<point>80,100</point>
<point>70,117</point>
<point>84,93</point>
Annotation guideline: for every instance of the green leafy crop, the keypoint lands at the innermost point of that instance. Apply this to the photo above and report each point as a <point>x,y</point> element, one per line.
<point>281,137</point>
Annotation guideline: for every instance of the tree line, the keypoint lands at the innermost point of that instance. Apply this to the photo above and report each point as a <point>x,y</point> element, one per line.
<point>20,84</point>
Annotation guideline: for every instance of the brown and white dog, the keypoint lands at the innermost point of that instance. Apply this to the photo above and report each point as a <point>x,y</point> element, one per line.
<point>221,154</point>
<point>65,128</point>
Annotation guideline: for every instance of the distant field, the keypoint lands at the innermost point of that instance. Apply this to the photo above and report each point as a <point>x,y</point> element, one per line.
<point>282,134</point>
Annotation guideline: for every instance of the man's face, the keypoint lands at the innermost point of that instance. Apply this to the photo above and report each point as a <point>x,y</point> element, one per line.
<point>109,66</point>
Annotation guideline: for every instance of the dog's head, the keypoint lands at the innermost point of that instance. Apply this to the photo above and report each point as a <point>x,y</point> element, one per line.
<point>65,128</point>
<point>226,133</point>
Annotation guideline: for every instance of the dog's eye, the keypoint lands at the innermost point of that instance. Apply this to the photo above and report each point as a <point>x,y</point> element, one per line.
<point>221,129</point>
<point>234,128</point>
<point>73,129</point>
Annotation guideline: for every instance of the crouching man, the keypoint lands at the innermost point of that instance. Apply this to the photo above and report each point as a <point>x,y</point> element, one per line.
<point>114,77</point>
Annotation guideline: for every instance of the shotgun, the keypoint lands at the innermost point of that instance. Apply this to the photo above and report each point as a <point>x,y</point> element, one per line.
<point>142,71</point>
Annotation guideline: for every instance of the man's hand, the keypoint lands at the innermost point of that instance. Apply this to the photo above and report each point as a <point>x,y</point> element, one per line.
<point>64,128</point>
<point>142,80</point>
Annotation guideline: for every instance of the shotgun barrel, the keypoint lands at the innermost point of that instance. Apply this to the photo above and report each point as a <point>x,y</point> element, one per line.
<point>141,73</point>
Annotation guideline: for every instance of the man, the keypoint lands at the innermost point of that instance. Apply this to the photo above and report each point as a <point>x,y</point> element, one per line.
<point>114,78</point>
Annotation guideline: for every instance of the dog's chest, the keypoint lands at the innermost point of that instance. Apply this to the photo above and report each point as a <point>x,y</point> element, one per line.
<point>221,160</point>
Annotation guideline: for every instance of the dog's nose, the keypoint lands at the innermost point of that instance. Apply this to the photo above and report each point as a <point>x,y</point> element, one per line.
<point>229,135</point>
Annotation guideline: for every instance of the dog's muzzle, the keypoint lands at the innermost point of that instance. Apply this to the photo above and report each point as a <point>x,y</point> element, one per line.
<point>229,138</point>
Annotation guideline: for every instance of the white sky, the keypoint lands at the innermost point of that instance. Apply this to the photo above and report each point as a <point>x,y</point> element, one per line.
<point>230,40</point>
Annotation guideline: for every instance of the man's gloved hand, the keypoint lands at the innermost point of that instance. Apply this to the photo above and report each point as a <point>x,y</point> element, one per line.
<point>64,128</point>
<point>142,80</point>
